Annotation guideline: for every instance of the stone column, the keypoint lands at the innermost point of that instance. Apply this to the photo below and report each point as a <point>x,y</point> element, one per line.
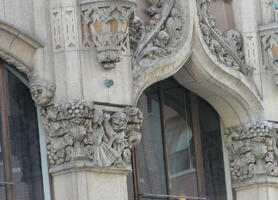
<point>89,149</point>
<point>87,113</point>
<point>253,156</point>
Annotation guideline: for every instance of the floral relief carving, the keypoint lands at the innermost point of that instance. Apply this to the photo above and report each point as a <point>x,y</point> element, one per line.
<point>42,91</point>
<point>226,47</point>
<point>80,131</point>
<point>109,23</point>
<point>160,37</point>
<point>252,151</point>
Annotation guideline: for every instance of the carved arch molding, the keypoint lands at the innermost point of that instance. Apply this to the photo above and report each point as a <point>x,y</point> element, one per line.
<point>159,47</point>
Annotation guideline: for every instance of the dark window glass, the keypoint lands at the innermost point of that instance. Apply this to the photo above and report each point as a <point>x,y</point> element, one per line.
<point>151,162</point>
<point>212,152</point>
<point>180,141</point>
<point>2,168</point>
<point>166,164</point>
<point>22,177</point>
<point>24,139</point>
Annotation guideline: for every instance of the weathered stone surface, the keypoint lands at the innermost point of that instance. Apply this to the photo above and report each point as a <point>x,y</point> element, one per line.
<point>253,151</point>
<point>79,131</point>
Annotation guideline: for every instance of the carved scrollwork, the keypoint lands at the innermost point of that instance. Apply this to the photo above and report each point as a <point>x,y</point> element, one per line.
<point>109,24</point>
<point>80,131</point>
<point>252,151</point>
<point>227,48</point>
<point>160,37</point>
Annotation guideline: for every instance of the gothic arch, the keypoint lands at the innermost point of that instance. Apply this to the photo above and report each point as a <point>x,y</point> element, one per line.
<point>18,49</point>
<point>229,89</point>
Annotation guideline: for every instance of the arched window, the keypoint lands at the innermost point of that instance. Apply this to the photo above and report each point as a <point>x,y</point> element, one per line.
<point>180,156</point>
<point>20,160</point>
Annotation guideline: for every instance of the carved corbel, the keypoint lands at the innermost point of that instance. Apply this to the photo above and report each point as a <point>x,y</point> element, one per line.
<point>42,91</point>
<point>252,151</point>
<point>109,24</point>
<point>79,132</point>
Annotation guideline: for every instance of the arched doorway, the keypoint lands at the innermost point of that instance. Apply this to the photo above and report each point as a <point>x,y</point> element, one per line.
<point>20,160</point>
<point>181,153</point>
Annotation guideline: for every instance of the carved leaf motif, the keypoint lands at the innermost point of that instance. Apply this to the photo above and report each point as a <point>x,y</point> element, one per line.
<point>225,51</point>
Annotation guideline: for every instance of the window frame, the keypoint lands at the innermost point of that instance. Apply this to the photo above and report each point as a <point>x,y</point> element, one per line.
<point>194,109</point>
<point>6,147</point>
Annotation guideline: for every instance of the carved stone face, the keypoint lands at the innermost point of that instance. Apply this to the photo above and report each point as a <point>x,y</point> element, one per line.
<point>42,91</point>
<point>119,121</point>
<point>163,37</point>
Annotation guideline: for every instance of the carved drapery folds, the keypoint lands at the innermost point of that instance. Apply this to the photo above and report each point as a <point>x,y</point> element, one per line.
<point>42,91</point>
<point>227,48</point>
<point>252,151</point>
<point>270,45</point>
<point>159,38</point>
<point>109,24</point>
<point>78,131</point>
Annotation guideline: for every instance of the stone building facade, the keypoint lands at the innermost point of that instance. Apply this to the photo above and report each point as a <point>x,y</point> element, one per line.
<point>91,66</point>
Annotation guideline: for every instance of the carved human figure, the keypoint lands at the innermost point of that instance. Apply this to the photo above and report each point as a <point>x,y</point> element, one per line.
<point>42,91</point>
<point>136,119</point>
<point>116,130</point>
<point>98,145</point>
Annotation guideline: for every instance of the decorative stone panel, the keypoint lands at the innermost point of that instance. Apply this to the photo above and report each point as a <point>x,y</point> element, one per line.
<point>252,151</point>
<point>109,27</point>
<point>78,131</point>
<point>226,47</point>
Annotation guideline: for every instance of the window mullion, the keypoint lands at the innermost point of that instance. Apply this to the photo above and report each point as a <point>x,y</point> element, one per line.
<point>164,140</point>
<point>198,145</point>
<point>6,133</point>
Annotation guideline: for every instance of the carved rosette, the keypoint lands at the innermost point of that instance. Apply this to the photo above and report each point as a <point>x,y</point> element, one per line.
<point>109,21</point>
<point>78,131</point>
<point>226,47</point>
<point>270,46</point>
<point>252,151</point>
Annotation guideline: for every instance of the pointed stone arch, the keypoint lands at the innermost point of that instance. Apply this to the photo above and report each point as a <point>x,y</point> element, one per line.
<point>18,49</point>
<point>228,88</point>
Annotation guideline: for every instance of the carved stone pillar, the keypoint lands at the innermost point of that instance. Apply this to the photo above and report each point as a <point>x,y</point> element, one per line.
<point>253,156</point>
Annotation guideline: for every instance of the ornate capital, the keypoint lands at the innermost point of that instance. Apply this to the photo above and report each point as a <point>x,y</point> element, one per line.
<point>109,25</point>
<point>42,91</point>
<point>252,151</point>
<point>80,132</point>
